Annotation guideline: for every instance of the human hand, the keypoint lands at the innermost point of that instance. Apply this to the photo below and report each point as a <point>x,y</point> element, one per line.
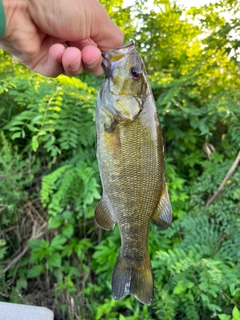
<point>54,37</point>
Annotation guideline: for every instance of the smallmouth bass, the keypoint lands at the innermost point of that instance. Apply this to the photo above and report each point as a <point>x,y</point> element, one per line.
<point>131,164</point>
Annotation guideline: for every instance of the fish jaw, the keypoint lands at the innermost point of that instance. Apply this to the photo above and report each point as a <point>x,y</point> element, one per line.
<point>116,57</point>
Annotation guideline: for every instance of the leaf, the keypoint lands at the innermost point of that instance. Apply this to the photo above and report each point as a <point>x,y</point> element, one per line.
<point>57,242</point>
<point>35,271</point>
<point>179,288</point>
<point>38,243</point>
<point>182,286</point>
<point>236,313</point>
<point>54,260</point>
<point>68,230</point>
<point>35,143</point>
<point>224,317</point>
<point>21,283</point>
<point>67,215</point>
<point>54,222</point>
<point>16,135</point>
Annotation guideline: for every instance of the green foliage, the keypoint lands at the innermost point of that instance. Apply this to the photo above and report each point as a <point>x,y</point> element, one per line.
<point>72,184</point>
<point>16,172</point>
<point>51,252</point>
<point>235,315</point>
<point>204,265</point>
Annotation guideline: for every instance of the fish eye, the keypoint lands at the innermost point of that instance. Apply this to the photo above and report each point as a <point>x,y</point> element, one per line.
<point>135,72</point>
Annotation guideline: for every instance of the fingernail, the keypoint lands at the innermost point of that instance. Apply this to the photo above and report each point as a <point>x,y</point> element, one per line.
<point>74,66</point>
<point>92,64</point>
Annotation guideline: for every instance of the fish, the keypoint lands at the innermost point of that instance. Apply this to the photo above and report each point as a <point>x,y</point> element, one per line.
<point>129,148</point>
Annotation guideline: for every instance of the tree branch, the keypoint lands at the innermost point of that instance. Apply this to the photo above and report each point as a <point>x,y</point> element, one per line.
<point>35,235</point>
<point>229,173</point>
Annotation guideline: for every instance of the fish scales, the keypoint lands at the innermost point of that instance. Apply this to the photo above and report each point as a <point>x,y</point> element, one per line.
<point>131,164</point>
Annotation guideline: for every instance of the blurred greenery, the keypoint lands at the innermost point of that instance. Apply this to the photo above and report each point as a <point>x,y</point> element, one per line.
<point>51,252</point>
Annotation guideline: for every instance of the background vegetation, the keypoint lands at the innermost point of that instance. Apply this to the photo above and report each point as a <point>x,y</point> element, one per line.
<point>51,252</point>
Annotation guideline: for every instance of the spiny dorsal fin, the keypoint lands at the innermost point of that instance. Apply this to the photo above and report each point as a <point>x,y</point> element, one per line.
<point>163,215</point>
<point>103,215</point>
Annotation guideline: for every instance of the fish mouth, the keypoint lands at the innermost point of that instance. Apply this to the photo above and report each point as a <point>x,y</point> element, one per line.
<point>106,63</point>
<point>116,57</point>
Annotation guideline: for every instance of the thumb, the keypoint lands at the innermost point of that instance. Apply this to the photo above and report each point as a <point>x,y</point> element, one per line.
<point>104,32</point>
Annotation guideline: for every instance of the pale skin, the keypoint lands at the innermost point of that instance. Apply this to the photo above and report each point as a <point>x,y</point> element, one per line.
<point>53,37</point>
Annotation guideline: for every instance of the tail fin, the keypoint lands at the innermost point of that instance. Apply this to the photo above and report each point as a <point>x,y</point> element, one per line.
<point>129,278</point>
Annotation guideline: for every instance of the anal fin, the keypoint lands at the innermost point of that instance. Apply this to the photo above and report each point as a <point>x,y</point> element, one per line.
<point>163,215</point>
<point>103,215</point>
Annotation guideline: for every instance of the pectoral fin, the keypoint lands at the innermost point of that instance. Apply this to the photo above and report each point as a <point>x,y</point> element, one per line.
<point>103,215</point>
<point>127,109</point>
<point>163,215</point>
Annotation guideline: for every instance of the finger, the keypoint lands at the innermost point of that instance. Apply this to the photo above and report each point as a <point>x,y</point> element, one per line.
<point>92,60</point>
<point>91,56</point>
<point>71,61</point>
<point>50,65</point>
